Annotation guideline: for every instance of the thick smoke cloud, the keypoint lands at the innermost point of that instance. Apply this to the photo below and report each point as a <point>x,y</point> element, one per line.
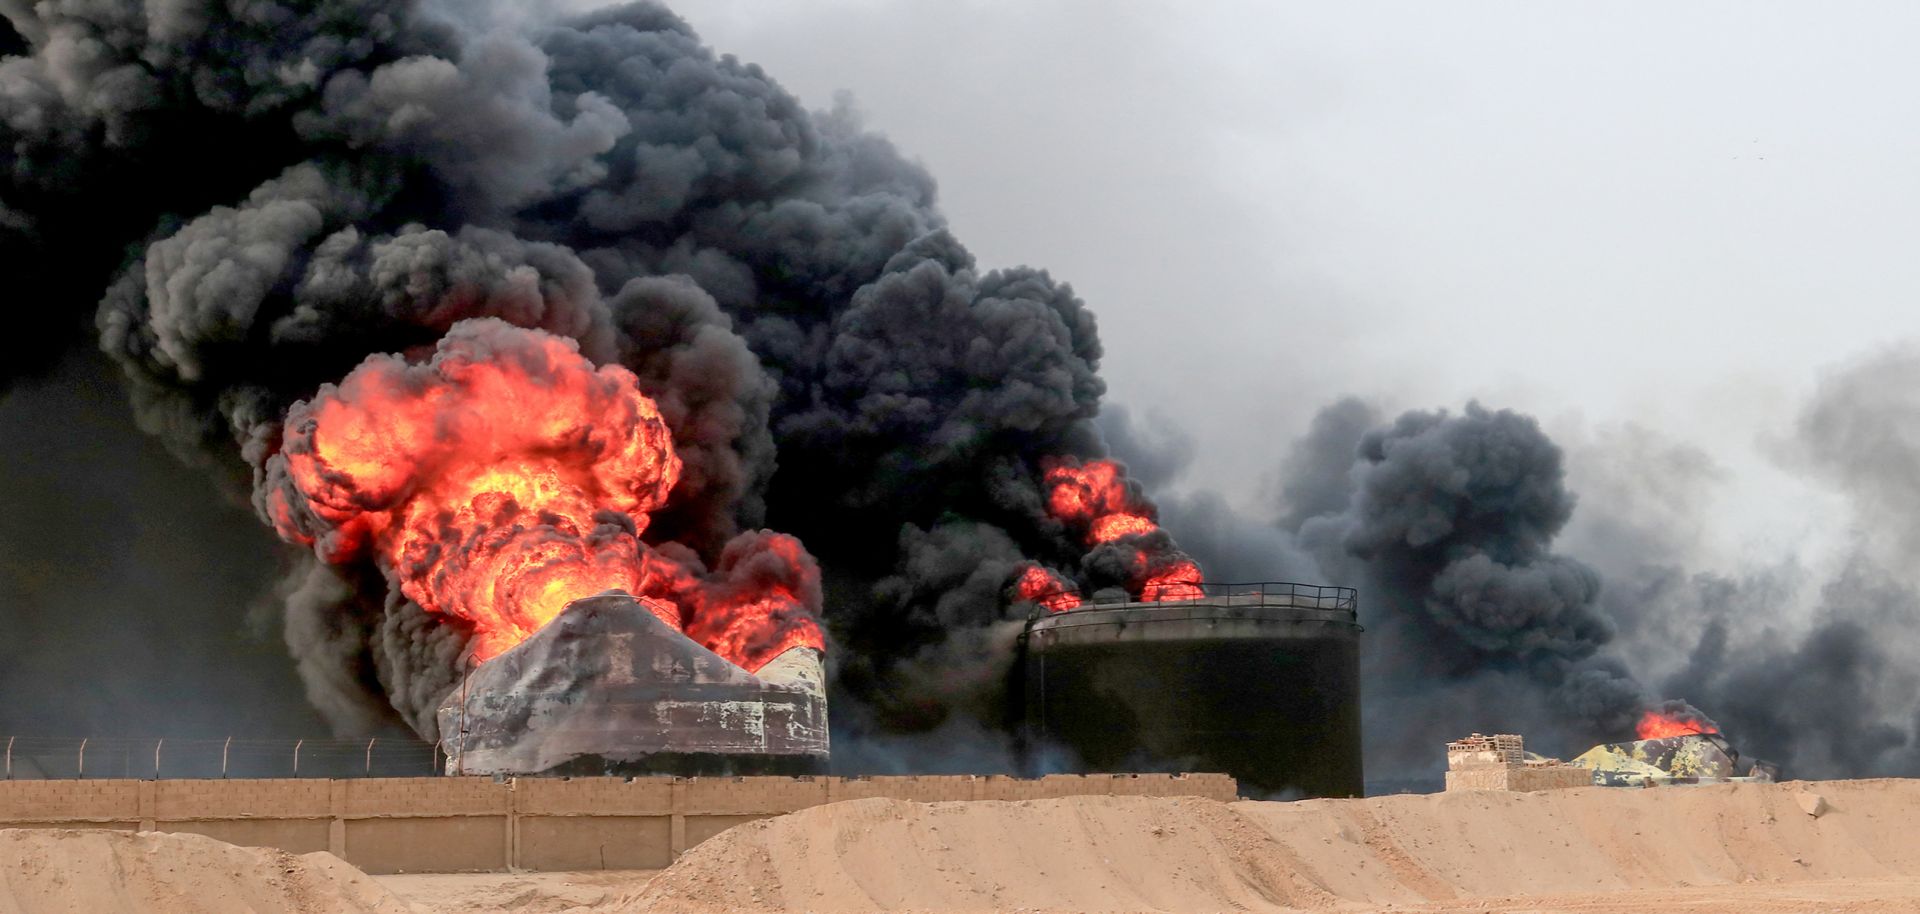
<point>1449,531</point>
<point>274,194</point>
<point>1486,611</point>
<point>1810,667</point>
<point>247,200</point>
<point>1449,525</point>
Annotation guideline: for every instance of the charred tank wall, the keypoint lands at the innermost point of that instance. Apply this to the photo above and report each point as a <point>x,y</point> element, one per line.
<point>1269,694</point>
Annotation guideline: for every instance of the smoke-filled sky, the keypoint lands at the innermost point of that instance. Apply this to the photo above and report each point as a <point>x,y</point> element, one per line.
<point>1631,280</point>
<point>1675,236</point>
<point>1676,217</point>
<point>1678,236</point>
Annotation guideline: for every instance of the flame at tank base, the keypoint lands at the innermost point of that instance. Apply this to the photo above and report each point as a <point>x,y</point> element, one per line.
<point>607,688</point>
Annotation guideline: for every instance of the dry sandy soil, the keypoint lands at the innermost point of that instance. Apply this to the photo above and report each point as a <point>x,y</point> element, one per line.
<point>1699,850</point>
<point>96,871</point>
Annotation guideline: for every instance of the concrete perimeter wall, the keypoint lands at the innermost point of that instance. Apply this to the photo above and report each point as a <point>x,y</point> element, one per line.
<point>446,825</point>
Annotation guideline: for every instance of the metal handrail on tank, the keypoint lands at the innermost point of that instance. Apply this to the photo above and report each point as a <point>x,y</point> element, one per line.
<point>1278,594</point>
<point>1284,594</point>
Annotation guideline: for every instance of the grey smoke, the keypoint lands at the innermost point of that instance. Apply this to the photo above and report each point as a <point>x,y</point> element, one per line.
<point>1814,671</point>
<point>1448,524</point>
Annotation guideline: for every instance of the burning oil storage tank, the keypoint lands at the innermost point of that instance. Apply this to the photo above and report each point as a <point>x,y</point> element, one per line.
<point>1261,681</point>
<point>608,688</point>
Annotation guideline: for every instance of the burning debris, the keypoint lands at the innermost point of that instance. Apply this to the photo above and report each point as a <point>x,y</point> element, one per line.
<point>1686,751</point>
<point>1673,718</point>
<point>1692,758</point>
<point>1677,745</point>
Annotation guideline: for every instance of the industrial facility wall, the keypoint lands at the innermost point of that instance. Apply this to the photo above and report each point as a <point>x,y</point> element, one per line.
<point>450,824</point>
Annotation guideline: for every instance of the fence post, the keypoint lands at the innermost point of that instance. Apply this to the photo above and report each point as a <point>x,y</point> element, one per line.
<point>224,748</point>
<point>10,740</point>
<point>370,755</point>
<point>296,758</point>
<point>83,759</point>
<point>156,757</point>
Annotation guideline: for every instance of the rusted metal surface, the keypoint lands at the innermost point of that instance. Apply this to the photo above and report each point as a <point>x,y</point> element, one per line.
<point>607,688</point>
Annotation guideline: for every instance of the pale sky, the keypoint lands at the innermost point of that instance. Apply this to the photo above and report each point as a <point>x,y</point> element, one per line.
<point>1672,215</point>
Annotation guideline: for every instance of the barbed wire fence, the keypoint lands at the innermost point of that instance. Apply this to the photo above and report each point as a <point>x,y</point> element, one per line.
<point>51,758</point>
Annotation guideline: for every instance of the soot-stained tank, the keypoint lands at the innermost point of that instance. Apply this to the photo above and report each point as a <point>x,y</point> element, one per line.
<point>1261,681</point>
<point>607,688</point>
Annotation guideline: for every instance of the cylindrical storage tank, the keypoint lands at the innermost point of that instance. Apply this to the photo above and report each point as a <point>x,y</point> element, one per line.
<point>1260,681</point>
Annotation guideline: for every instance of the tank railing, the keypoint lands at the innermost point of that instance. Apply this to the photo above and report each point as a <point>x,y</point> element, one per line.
<point>153,758</point>
<point>1258,593</point>
<point>1281,594</point>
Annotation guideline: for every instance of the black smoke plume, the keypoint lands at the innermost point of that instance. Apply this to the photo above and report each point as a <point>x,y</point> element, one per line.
<point>247,200</point>
<point>1476,620</point>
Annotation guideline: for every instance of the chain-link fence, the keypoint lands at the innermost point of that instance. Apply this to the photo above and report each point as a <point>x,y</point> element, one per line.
<point>30,758</point>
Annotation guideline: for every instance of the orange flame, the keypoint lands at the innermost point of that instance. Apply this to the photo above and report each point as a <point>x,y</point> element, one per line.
<point>1660,725</point>
<point>1094,496</point>
<point>758,602</point>
<point>1109,527</point>
<point>504,479</point>
<point>1041,585</point>
<point>1085,492</point>
<point>1180,581</point>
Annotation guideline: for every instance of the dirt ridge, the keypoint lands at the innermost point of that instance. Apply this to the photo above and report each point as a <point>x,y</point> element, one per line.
<point>98,870</point>
<point>1158,854</point>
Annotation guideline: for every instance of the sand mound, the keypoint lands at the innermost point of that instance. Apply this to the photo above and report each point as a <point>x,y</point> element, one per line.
<point>1148,854</point>
<point>71,871</point>
<point>1084,853</point>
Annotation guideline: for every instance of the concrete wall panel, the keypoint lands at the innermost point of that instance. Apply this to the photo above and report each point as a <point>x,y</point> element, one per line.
<point>739,796</point>
<point>52,801</point>
<point>700,828</point>
<point>427,797</point>
<point>560,843</point>
<point>238,799</point>
<point>121,826</point>
<point>454,844</point>
<point>928,789</point>
<point>593,796</point>
<point>295,836</point>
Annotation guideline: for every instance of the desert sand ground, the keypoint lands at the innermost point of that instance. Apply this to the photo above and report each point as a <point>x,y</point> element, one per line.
<point>1844,846</point>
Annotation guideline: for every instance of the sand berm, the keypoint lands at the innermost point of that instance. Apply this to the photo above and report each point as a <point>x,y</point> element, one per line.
<point>1829,846</point>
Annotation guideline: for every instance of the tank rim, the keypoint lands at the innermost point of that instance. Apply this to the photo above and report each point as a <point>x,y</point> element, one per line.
<point>1128,614</point>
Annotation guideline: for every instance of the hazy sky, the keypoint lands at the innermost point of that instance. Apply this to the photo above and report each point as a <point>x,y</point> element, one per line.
<point>1676,216</point>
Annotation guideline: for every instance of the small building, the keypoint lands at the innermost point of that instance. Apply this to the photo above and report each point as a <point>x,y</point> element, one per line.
<point>1501,762</point>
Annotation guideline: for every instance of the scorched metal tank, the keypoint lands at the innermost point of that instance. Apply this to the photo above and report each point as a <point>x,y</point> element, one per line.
<point>1261,681</point>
